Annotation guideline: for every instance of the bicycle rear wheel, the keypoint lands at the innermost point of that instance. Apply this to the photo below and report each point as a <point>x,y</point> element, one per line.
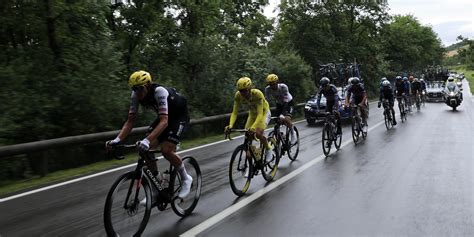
<point>185,206</point>
<point>355,130</point>
<point>326,139</point>
<point>240,171</point>
<point>270,167</point>
<point>386,118</point>
<point>294,149</point>
<point>123,214</point>
<point>337,139</point>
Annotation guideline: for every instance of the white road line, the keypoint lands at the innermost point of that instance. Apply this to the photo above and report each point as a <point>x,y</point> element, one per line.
<point>107,171</point>
<point>236,207</point>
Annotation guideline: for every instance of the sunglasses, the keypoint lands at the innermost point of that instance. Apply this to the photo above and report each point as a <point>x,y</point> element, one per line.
<point>138,88</point>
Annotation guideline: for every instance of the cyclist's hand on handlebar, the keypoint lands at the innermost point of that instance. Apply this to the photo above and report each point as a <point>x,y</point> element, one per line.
<point>144,145</point>
<point>227,129</point>
<point>111,143</point>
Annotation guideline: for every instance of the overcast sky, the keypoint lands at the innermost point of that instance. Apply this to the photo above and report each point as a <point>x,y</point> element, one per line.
<point>449,18</point>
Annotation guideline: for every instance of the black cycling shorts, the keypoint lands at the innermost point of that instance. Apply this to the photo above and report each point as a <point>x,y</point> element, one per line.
<point>174,132</point>
<point>286,109</point>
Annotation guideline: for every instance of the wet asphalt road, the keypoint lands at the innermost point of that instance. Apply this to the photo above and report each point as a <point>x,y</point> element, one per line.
<point>414,180</point>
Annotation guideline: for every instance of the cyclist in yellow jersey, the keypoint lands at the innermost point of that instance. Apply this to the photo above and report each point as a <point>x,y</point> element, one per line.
<point>259,112</point>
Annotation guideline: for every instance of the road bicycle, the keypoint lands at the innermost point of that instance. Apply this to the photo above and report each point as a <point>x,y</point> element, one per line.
<point>283,139</point>
<point>402,108</point>
<point>417,101</point>
<point>356,122</point>
<point>330,134</point>
<point>387,114</point>
<point>247,160</point>
<point>133,195</point>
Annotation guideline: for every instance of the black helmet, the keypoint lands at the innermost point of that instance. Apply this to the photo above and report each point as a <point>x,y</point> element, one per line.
<point>355,81</point>
<point>324,81</point>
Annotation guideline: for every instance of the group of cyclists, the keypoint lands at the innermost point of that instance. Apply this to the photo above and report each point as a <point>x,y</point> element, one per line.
<point>173,119</point>
<point>410,89</point>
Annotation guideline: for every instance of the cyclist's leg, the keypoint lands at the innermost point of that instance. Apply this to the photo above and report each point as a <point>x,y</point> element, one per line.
<point>391,103</point>
<point>337,115</point>
<point>169,138</point>
<point>259,133</point>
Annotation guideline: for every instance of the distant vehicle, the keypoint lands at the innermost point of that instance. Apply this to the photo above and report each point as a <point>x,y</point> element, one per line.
<point>312,114</point>
<point>434,91</point>
<point>452,95</point>
<point>461,76</point>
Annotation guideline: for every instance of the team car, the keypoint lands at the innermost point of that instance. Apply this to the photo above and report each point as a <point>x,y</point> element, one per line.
<point>313,115</point>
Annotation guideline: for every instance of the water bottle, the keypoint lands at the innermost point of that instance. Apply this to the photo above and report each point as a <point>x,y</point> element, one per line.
<point>256,151</point>
<point>165,178</point>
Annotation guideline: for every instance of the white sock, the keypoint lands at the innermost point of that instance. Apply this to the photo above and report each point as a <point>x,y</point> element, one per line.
<point>182,171</point>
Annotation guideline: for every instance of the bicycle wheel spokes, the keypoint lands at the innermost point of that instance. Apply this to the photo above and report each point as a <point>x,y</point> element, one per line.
<point>270,167</point>
<point>123,213</point>
<point>185,206</point>
<point>294,149</point>
<point>240,171</point>
<point>326,139</point>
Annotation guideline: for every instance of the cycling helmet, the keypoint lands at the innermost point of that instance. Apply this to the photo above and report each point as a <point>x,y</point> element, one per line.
<point>422,80</point>
<point>398,78</point>
<point>405,78</point>
<point>324,81</point>
<point>386,83</point>
<point>272,78</point>
<point>139,78</point>
<point>383,79</point>
<point>355,81</point>
<point>244,83</point>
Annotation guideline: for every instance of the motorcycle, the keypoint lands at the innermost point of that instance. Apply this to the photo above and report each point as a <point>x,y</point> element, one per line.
<point>452,95</point>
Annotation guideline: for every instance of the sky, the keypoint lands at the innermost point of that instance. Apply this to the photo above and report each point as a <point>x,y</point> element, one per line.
<point>448,18</point>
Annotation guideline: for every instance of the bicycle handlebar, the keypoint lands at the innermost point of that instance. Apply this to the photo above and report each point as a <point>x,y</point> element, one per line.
<point>114,148</point>
<point>227,134</point>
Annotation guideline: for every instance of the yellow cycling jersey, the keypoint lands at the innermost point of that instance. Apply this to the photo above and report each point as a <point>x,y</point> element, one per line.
<point>258,109</point>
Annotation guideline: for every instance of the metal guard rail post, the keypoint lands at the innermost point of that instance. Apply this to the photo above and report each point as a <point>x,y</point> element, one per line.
<point>24,148</point>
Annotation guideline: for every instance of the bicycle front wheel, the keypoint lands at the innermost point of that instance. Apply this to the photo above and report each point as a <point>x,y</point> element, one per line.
<point>270,167</point>
<point>294,149</point>
<point>337,140</point>
<point>185,206</point>
<point>326,139</point>
<point>123,213</point>
<point>240,171</point>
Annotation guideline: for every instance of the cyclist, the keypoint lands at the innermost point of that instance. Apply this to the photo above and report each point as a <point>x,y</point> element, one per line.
<point>387,93</point>
<point>259,112</point>
<point>284,101</point>
<point>332,100</point>
<point>359,97</point>
<point>167,129</point>
<point>407,93</point>
<point>416,89</point>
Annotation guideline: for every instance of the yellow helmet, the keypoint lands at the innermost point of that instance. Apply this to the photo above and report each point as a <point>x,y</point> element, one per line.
<point>272,78</point>
<point>244,83</point>
<point>139,78</point>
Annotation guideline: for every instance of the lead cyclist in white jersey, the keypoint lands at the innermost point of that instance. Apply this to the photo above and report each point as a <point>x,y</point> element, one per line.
<point>284,102</point>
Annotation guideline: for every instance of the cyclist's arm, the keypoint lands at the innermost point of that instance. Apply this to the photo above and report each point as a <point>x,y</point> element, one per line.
<point>259,106</point>
<point>286,93</point>
<point>235,111</point>
<point>127,126</point>
<point>319,97</point>
<point>132,114</point>
<point>161,97</point>
<point>267,93</point>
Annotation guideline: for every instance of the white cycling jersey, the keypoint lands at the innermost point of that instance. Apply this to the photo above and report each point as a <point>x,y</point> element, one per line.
<point>281,94</point>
